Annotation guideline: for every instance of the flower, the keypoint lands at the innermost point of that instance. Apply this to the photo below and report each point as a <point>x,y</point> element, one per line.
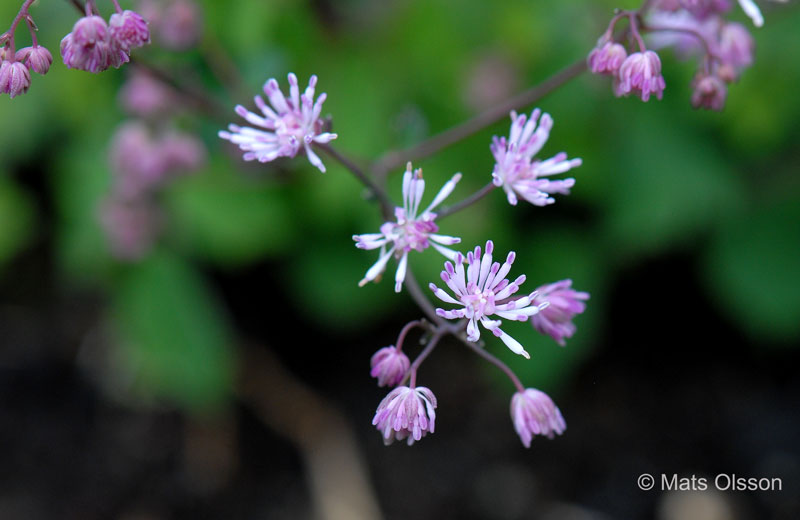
<point>709,92</point>
<point>406,413</point>
<point>129,29</point>
<point>15,79</point>
<point>88,47</point>
<point>484,293</point>
<point>515,169</point>
<point>410,232</point>
<point>640,74</point>
<point>389,366</point>
<point>131,226</point>
<point>606,57</point>
<point>736,46</point>
<point>36,58</point>
<point>290,124</point>
<point>145,96</point>
<point>534,413</point>
<point>564,303</point>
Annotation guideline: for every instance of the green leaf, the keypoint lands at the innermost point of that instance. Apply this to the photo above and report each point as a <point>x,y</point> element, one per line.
<point>226,218</point>
<point>175,337</point>
<point>753,268</point>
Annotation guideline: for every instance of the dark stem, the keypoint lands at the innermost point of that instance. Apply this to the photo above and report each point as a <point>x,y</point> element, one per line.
<point>472,199</point>
<point>402,337</point>
<point>415,291</point>
<point>396,158</point>
<point>412,370</point>
<point>377,192</point>
<point>496,362</point>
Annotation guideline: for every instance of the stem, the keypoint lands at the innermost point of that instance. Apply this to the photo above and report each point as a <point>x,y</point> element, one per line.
<point>416,293</point>
<point>117,6</point>
<point>377,192</point>
<point>635,31</point>
<point>402,337</point>
<point>709,52</point>
<point>32,30</point>
<point>472,199</point>
<point>412,370</point>
<point>23,12</point>
<point>426,148</point>
<point>496,362</point>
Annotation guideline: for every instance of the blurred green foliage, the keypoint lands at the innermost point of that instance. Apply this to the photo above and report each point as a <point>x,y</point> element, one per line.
<point>656,178</point>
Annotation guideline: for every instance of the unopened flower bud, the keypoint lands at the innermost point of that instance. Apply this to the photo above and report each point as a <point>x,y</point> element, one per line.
<point>640,74</point>
<point>389,366</point>
<point>709,92</point>
<point>406,414</point>
<point>606,58</point>
<point>129,29</point>
<point>534,413</point>
<point>36,58</point>
<point>14,78</point>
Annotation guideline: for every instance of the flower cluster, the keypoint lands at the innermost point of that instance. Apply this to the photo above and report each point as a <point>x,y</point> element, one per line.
<point>289,125</point>
<point>146,154</point>
<point>94,45</point>
<point>16,66</point>
<point>411,230</point>
<point>516,170</point>
<point>691,28</point>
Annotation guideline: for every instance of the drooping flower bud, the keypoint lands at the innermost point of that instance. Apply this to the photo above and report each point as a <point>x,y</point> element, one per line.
<point>709,92</point>
<point>534,413</point>
<point>640,74</point>
<point>14,78</point>
<point>129,29</point>
<point>606,58</point>
<point>564,303</point>
<point>36,58</point>
<point>389,366</point>
<point>406,414</point>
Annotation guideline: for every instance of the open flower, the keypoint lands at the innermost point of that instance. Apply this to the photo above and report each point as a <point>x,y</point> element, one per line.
<point>564,303</point>
<point>289,125</point>
<point>534,413</point>
<point>406,413</point>
<point>412,230</point>
<point>482,290</point>
<point>516,170</point>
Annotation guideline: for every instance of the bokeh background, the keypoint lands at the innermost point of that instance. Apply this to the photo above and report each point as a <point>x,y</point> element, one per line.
<point>225,373</point>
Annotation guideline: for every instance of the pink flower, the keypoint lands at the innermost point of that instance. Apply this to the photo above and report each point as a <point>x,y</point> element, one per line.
<point>564,303</point>
<point>389,366</point>
<point>736,46</point>
<point>289,125</point>
<point>182,152</point>
<point>406,413</point>
<point>410,232</point>
<point>36,58</point>
<point>516,170</point>
<point>88,47</point>
<point>606,58</point>
<point>181,25</point>
<point>640,74</point>
<point>534,413</point>
<point>483,293</point>
<point>146,96</point>
<point>129,29</point>
<point>709,92</point>
<point>14,78</point>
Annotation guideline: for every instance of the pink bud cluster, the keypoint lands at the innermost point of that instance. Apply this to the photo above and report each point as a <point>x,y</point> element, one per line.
<point>690,27</point>
<point>638,73</point>
<point>16,67</point>
<point>94,45</point>
<point>146,154</point>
